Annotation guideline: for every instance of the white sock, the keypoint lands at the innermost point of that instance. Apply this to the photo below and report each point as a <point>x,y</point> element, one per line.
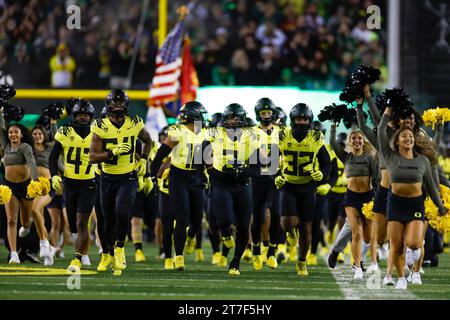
<point>365,248</point>
<point>415,255</point>
<point>43,243</point>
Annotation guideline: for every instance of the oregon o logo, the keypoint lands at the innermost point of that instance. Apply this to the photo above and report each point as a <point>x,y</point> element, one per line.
<point>418,214</point>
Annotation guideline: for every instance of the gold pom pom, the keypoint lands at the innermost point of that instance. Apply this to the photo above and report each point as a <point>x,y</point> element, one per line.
<point>367,210</point>
<point>429,117</point>
<point>5,194</point>
<point>439,223</point>
<point>34,189</point>
<point>45,185</point>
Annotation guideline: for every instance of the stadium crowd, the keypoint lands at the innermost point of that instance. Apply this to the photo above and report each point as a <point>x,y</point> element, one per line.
<point>306,43</point>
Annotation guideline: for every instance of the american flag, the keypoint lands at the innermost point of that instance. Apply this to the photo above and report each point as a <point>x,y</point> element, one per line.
<point>166,81</point>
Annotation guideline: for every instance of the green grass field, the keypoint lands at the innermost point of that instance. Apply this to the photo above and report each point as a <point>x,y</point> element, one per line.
<point>203,281</point>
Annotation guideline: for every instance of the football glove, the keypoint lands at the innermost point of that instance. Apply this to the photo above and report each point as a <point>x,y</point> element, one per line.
<point>279,182</point>
<point>56,183</point>
<point>141,167</point>
<point>323,190</point>
<point>317,175</point>
<point>121,149</point>
<point>140,183</point>
<point>148,185</point>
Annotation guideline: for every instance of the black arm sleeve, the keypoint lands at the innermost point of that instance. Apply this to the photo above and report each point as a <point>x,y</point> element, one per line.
<point>162,153</point>
<point>324,163</point>
<point>54,156</point>
<point>334,173</point>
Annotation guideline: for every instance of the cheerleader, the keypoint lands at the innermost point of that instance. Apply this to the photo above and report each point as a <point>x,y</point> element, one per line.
<point>20,167</point>
<point>408,171</point>
<point>359,167</point>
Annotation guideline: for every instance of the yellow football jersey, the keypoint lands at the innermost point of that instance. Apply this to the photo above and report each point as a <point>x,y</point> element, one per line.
<point>297,155</point>
<point>76,154</point>
<point>341,184</point>
<point>268,141</point>
<point>188,152</point>
<point>112,136</point>
<point>445,164</point>
<point>229,153</point>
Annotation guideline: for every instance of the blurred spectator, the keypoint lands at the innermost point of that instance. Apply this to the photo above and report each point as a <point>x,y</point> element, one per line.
<point>305,38</point>
<point>21,67</point>
<point>88,68</point>
<point>119,62</point>
<point>269,68</point>
<point>62,66</point>
<point>269,35</point>
<point>222,75</point>
<point>244,74</point>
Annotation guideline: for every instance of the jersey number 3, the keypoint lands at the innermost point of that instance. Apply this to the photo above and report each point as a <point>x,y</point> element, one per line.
<point>299,161</point>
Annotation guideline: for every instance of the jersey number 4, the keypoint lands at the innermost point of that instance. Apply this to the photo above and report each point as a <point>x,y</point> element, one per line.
<point>77,161</point>
<point>299,161</point>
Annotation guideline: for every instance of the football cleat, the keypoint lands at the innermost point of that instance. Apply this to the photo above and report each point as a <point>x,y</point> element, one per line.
<point>179,263</point>
<point>301,268</point>
<point>189,246</point>
<point>169,264</point>
<point>216,258</point>
<point>257,262</point>
<point>139,256</point>
<point>105,262</point>
<point>14,258</point>
<point>247,256</point>
<point>119,256</point>
<point>272,262</point>
<point>74,267</point>
<point>223,262</point>
<point>234,272</point>
<point>199,256</point>
<point>228,242</point>
<point>311,259</point>
<point>116,272</point>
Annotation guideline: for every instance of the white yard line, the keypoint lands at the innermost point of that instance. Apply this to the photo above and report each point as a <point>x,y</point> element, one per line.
<point>367,289</point>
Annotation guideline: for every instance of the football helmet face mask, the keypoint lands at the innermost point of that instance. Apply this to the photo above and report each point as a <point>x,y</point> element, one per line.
<point>117,103</point>
<point>265,111</point>
<point>301,111</point>
<point>193,111</point>
<point>234,116</point>
<point>82,107</point>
